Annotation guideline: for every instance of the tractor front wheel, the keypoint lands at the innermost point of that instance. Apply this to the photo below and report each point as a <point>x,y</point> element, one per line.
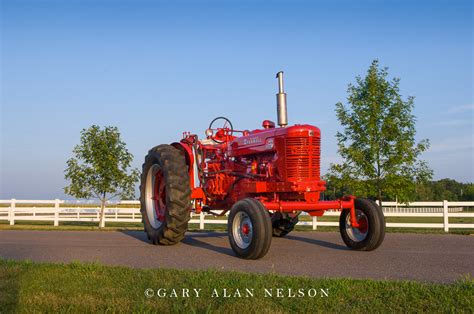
<point>250,229</point>
<point>371,230</point>
<point>165,195</point>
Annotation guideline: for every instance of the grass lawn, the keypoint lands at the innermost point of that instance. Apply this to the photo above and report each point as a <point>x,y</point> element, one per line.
<point>77,287</point>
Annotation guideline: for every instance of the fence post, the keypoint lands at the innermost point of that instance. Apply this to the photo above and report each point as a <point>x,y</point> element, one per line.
<point>56,212</point>
<point>105,217</point>
<point>315,223</point>
<point>11,212</point>
<point>201,221</point>
<point>445,216</point>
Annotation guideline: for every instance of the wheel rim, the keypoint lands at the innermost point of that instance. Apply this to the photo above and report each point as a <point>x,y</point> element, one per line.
<point>155,196</point>
<point>360,233</point>
<point>242,230</point>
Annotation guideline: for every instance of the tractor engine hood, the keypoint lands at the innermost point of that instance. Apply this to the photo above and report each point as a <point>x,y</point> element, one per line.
<point>264,140</point>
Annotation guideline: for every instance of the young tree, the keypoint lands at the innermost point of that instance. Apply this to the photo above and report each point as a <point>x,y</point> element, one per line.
<point>377,144</point>
<point>99,168</point>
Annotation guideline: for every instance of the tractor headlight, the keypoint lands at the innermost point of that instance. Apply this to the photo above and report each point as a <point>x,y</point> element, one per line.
<point>209,132</point>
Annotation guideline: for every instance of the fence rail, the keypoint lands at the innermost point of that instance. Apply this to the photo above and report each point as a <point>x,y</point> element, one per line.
<point>58,210</point>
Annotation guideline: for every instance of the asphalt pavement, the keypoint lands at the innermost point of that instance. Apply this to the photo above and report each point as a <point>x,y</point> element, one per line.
<point>402,256</point>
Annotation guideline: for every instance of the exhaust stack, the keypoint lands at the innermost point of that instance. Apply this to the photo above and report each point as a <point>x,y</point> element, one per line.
<point>281,102</point>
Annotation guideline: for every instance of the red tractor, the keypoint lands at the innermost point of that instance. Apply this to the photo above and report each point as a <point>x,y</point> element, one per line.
<point>265,178</point>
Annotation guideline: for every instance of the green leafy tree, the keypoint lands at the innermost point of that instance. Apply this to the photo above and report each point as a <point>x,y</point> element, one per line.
<point>100,168</point>
<point>445,189</point>
<point>377,145</point>
<point>467,192</point>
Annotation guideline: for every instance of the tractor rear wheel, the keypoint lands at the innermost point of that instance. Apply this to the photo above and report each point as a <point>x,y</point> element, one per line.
<point>165,195</point>
<point>283,224</point>
<point>371,231</point>
<point>250,229</point>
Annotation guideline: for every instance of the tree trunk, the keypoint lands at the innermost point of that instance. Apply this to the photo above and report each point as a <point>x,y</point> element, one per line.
<point>102,214</point>
<point>379,179</point>
<point>379,193</point>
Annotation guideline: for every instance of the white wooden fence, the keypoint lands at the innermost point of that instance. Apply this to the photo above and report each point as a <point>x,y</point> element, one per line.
<point>58,210</point>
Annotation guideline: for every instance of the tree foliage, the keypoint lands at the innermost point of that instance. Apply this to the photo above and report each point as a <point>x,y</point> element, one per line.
<point>444,189</point>
<point>377,143</point>
<point>100,167</point>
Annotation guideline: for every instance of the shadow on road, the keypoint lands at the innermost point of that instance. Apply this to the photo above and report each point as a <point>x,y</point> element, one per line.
<point>139,235</point>
<point>191,238</point>
<point>322,243</point>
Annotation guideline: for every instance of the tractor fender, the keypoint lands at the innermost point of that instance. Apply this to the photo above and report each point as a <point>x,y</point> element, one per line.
<point>190,156</point>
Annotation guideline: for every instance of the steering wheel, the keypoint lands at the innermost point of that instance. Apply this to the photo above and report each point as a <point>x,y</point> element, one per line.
<point>222,132</point>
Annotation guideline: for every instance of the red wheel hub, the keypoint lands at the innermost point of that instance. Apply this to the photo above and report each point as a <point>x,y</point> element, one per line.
<point>159,196</point>
<point>363,225</point>
<point>245,229</point>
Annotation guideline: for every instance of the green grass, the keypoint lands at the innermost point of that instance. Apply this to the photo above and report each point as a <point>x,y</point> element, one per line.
<point>31,287</point>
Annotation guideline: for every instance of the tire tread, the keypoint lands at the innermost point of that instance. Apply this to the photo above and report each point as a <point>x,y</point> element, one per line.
<point>178,195</point>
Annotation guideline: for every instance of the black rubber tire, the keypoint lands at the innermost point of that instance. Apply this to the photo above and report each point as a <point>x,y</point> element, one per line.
<point>283,225</point>
<point>178,203</point>
<point>376,226</point>
<point>262,229</point>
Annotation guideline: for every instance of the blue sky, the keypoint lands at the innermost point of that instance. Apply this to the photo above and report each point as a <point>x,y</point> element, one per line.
<point>158,68</point>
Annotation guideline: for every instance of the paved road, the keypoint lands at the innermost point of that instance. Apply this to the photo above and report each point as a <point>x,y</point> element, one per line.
<point>435,258</point>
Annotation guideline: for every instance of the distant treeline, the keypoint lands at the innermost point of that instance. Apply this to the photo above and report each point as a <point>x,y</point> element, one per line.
<point>444,189</point>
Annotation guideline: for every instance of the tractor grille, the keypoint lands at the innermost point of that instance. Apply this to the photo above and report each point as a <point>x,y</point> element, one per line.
<point>303,158</point>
